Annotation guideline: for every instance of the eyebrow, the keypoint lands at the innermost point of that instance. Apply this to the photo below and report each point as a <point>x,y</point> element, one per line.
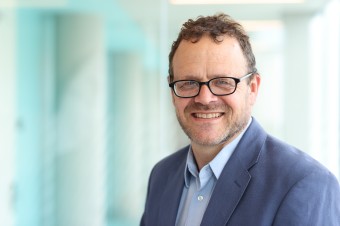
<point>193,77</point>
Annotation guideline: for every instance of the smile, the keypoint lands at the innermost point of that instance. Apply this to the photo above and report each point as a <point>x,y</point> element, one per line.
<point>207,115</point>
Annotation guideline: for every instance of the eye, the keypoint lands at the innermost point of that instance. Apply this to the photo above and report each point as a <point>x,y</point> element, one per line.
<point>223,82</point>
<point>186,85</point>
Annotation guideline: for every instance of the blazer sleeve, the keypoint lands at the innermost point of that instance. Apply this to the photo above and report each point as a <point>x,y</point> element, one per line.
<point>313,200</point>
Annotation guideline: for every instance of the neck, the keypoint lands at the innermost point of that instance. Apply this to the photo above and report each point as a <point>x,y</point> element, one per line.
<point>204,154</point>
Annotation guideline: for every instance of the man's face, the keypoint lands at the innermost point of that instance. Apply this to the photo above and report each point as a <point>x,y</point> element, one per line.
<point>208,119</point>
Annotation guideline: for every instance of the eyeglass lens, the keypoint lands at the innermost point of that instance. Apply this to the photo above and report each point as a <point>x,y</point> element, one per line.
<point>218,86</point>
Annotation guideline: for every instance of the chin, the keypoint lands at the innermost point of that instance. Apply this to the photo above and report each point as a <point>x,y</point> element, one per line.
<point>208,141</point>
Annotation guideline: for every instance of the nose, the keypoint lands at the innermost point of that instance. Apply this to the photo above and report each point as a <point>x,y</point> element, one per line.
<point>205,96</point>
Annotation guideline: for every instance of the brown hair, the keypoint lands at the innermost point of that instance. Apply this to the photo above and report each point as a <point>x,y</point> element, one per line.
<point>214,26</point>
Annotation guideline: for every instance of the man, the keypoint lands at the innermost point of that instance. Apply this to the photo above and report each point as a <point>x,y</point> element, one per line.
<point>233,172</point>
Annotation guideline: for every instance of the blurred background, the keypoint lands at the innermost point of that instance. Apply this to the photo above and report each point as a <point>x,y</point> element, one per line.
<point>85,110</point>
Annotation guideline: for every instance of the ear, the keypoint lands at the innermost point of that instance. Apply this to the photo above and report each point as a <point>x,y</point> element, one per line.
<point>171,92</point>
<point>254,88</point>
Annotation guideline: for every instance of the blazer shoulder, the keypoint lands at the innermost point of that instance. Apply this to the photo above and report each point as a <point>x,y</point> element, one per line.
<point>172,162</point>
<point>310,192</point>
<point>290,160</point>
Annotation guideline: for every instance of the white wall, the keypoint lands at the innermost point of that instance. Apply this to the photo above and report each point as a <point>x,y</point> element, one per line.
<point>81,120</point>
<point>7,115</point>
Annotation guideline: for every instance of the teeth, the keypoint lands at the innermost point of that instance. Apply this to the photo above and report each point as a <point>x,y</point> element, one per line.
<point>210,115</point>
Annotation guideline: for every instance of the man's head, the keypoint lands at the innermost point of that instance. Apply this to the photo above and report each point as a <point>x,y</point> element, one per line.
<point>214,27</point>
<point>210,48</point>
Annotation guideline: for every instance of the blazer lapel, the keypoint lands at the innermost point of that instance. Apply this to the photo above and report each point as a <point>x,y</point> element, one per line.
<point>227,193</point>
<point>171,197</point>
<point>234,178</point>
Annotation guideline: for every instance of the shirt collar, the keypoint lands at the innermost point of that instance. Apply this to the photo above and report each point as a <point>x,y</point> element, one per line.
<point>217,164</point>
<point>190,168</point>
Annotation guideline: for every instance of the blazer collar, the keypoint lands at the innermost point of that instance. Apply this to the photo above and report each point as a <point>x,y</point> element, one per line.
<point>235,177</point>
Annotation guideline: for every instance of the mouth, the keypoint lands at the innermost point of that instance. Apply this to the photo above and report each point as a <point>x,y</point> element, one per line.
<point>207,115</point>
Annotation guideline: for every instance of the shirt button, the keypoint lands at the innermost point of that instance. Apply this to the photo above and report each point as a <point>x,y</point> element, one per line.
<point>200,198</point>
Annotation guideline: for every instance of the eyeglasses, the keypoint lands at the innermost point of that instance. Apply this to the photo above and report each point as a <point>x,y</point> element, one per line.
<point>220,86</point>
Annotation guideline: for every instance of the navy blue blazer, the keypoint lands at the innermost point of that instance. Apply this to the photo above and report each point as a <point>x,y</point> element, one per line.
<point>265,182</point>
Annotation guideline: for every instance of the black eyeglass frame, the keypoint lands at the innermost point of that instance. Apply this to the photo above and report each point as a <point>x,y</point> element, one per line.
<point>237,81</point>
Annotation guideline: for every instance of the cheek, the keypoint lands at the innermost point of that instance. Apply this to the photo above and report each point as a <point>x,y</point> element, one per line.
<point>236,104</point>
<point>180,104</point>
<point>231,101</point>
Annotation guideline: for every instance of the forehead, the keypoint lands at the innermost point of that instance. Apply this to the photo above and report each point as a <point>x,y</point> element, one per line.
<point>208,57</point>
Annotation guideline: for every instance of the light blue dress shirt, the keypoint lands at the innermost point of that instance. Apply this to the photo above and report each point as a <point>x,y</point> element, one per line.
<point>199,186</point>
